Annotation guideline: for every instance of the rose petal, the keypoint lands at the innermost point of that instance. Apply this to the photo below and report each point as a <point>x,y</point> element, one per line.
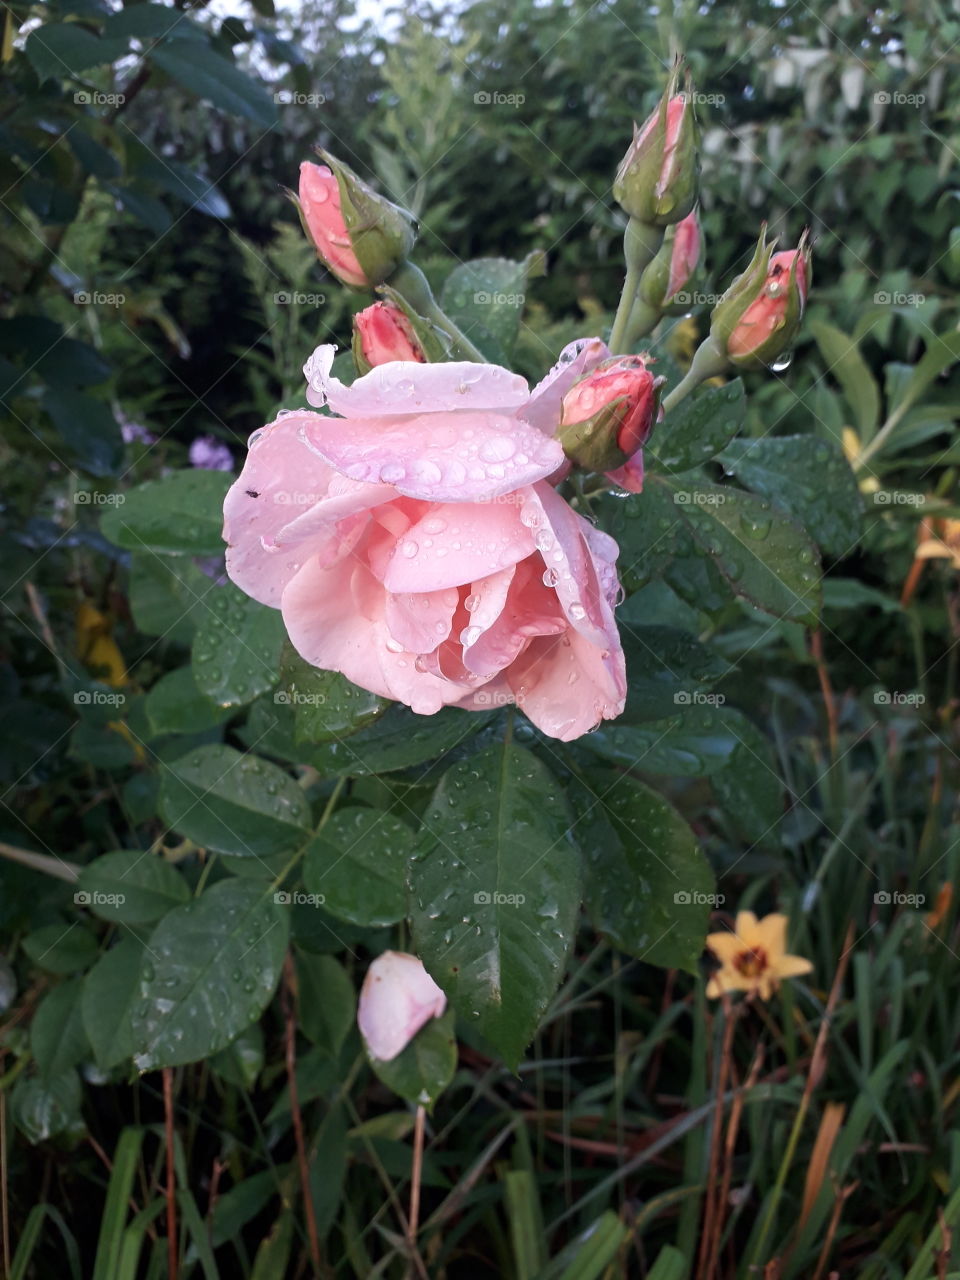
<point>437,457</point>
<point>566,685</point>
<point>398,997</point>
<point>453,544</point>
<point>420,621</point>
<point>406,387</point>
<point>530,609</point>
<point>561,542</point>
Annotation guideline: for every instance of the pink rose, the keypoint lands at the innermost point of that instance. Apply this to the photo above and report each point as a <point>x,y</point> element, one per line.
<point>414,543</point>
<point>685,253</point>
<point>398,997</point>
<point>323,219</point>
<point>383,333</point>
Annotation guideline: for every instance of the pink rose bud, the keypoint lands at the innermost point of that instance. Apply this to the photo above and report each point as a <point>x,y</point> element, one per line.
<point>360,236</point>
<point>397,999</point>
<point>672,269</point>
<point>608,415</point>
<point>381,333</point>
<point>758,317</point>
<point>658,177</point>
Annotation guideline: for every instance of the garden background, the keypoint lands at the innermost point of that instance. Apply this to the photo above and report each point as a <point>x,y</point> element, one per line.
<point>158,302</point>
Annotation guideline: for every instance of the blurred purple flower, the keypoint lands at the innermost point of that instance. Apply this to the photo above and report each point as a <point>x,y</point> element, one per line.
<point>211,454</point>
<point>134,431</point>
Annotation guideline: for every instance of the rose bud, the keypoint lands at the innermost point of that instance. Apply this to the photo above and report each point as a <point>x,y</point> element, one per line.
<point>360,236</point>
<point>657,180</point>
<point>673,267</point>
<point>381,333</point>
<point>758,317</point>
<point>398,997</point>
<point>607,416</point>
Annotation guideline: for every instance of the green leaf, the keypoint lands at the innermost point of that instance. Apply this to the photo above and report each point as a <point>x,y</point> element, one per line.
<point>846,364</point>
<point>176,705</point>
<point>41,1109</point>
<point>748,786</point>
<point>495,892</point>
<point>181,514</point>
<point>61,948</point>
<point>109,990</point>
<point>152,22</point>
<point>398,739</point>
<point>63,49</point>
<point>326,704</point>
<point>764,556</point>
<point>205,74</point>
<point>236,649</point>
<point>358,864</point>
<point>666,669</point>
<point>234,803</point>
<point>697,741</point>
<point>698,428</point>
<point>209,970</point>
<point>168,595</point>
<point>809,478</point>
<point>57,1038</point>
<point>421,1072</point>
<point>648,530</point>
<point>327,1004</point>
<point>485,298</point>
<point>131,887</point>
<point>942,351</point>
<point>648,885</point>
<point>241,1062</point>
<point>89,430</point>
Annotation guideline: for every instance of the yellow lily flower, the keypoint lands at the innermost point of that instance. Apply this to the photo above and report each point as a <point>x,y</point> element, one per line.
<point>946,546</point>
<point>753,957</point>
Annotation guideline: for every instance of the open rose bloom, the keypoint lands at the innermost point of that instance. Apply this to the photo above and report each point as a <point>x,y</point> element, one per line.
<point>415,543</point>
